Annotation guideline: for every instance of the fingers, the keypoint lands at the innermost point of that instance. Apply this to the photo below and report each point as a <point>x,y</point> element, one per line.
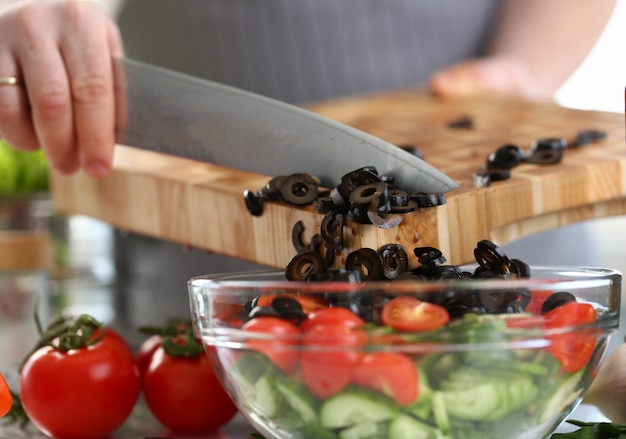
<point>88,64</point>
<point>15,122</point>
<point>482,76</point>
<point>67,107</point>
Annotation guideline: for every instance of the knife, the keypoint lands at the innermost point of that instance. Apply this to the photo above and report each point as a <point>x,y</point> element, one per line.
<point>178,114</point>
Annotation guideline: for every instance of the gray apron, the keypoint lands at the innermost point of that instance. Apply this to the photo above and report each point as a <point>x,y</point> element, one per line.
<point>296,51</point>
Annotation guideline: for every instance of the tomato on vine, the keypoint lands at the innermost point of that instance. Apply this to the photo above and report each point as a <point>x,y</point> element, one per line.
<point>180,387</point>
<point>76,384</point>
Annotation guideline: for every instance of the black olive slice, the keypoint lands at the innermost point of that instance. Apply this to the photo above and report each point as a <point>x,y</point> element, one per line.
<point>520,268</point>
<point>332,230</point>
<point>557,299</point>
<point>429,255</point>
<point>271,191</point>
<point>506,157</point>
<point>585,137</point>
<point>429,199</point>
<point>354,179</point>
<point>496,300</point>
<point>324,204</point>
<point>395,260</point>
<point>492,257</point>
<point>303,265</point>
<point>288,308</point>
<point>411,206</point>
<point>263,311</point>
<point>380,219</point>
<point>363,195</point>
<point>366,260</point>
<point>296,237</point>
<point>254,204</point>
<point>546,151</point>
<point>462,122</point>
<point>298,189</point>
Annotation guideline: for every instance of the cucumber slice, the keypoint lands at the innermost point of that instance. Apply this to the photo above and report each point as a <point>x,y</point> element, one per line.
<point>440,413</point>
<point>491,400</point>
<point>299,399</point>
<point>356,405</point>
<point>407,427</point>
<point>567,391</point>
<point>261,398</point>
<point>364,430</point>
<point>422,406</point>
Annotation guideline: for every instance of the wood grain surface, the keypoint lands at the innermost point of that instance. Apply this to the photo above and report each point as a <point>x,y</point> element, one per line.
<point>202,206</point>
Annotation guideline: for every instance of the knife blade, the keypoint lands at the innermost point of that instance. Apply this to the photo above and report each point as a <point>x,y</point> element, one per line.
<point>178,114</point>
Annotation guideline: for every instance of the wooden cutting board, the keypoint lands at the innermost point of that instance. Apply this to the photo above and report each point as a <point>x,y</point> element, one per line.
<point>202,206</point>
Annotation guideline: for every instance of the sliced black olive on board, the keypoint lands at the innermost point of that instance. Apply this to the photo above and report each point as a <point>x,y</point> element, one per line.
<point>506,157</point>
<point>296,237</point>
<point>546,151</point>
<point>380,218</point>
<point>411,206</point>
<point>557,299</point>
<point>429,199</point>
<point>299,189</point>
<point>462,122</point>
<point>254,204</point>
<point>324,204</point>
<point>429,255</point>
<point>332,230</point>
<point>585,137</point>
<point>364,194</point>
<point>303,265</point>
<point>359,177</point>
<point>395,260</point>
<point>366,260</point>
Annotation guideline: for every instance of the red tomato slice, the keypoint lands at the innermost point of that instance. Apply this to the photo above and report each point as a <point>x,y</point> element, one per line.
<point>6,400</point>
<point>327,369</point>
<point>408,314</point>
<point>573,350</point>
<point>282,352</point>
<point>393,374</point>
<point>338,315</point>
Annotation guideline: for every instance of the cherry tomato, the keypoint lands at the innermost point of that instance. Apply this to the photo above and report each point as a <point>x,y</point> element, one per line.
<point>574,349</point>
<point>185,395</point>
<point>81,393</point>
<point>282,352</point>
<point>408,314</point>
<point>332,315</point>
<point>146,350</point>
<point>328,368</point>
<point>6,400</point>
<point>393,374</point>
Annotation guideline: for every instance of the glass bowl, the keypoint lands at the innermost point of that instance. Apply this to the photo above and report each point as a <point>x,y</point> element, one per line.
<point>513,358</point>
